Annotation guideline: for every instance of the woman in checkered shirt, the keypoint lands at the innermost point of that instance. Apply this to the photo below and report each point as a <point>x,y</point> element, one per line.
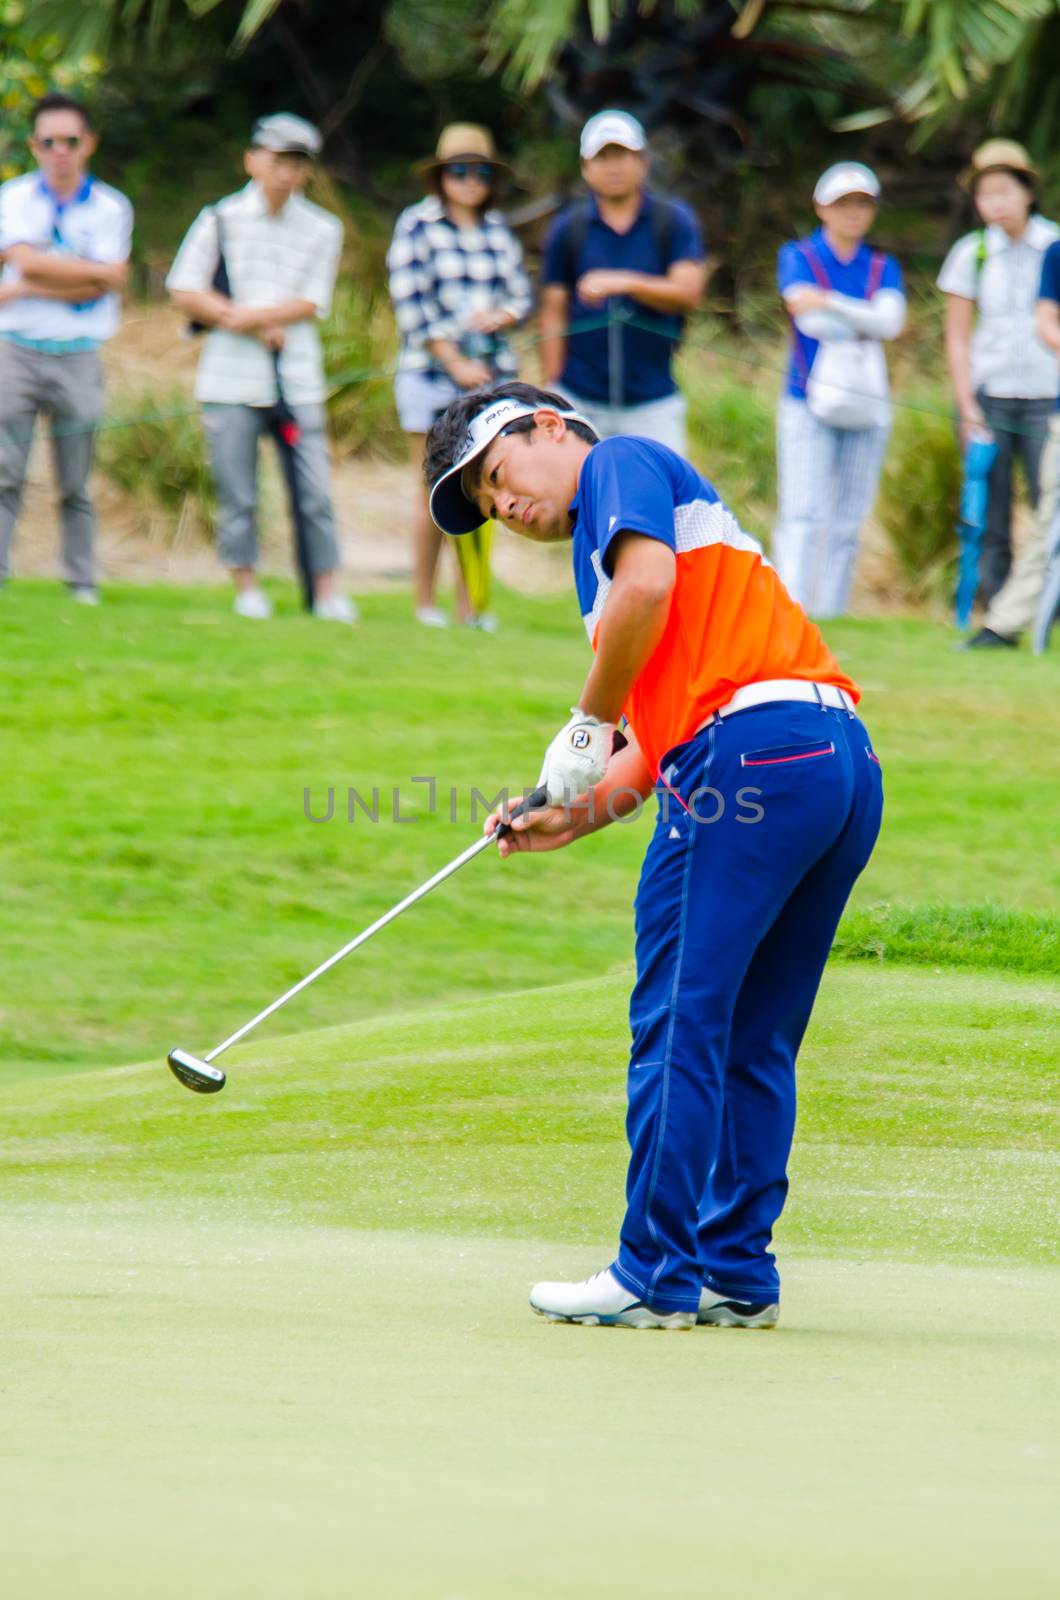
<point>458,285</point>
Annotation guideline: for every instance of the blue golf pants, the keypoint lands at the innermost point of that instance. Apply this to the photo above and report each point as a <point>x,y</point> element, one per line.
<point>766,818</point>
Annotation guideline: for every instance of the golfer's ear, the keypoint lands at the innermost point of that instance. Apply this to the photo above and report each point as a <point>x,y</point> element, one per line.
<point>548,419</point>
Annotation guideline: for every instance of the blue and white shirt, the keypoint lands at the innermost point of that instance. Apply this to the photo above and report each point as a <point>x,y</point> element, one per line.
<point>440,275</point>
<point>849,281</point>
<point>95,224</point>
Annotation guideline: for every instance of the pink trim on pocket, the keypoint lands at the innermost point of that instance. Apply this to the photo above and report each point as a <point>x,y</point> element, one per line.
<point>873,756</point>
<point>779,761</point>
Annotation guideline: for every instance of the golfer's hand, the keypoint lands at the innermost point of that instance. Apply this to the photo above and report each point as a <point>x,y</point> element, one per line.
<point>548,829</point>
<point>469,374</point>
<point>272,337</point>
<point>577,758</point>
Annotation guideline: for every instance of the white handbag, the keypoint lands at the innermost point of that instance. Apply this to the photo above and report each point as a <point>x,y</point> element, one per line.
<point>848,385</point>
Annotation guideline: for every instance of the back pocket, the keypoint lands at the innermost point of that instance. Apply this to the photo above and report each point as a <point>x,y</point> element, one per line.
<point>781,754</point>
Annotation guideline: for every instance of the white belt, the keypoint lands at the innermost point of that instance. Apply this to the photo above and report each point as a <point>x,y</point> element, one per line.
<point>760,694</point>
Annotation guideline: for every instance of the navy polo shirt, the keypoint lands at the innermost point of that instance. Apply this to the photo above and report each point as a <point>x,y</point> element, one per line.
<point>647,349</point>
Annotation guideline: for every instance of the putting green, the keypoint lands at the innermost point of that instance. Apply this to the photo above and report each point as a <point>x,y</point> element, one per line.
<point>206,1409</point>
<point>276,1343</point>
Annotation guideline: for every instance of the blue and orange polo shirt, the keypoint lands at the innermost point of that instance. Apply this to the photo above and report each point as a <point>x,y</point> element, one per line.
<point>731,620</point>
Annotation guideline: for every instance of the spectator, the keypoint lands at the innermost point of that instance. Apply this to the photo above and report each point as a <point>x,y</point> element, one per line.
<point>458,286</point>
<point>843,298</point>
<point>64,238</point>
<point>628,252</point>
<point>1003,379</point>
<point>1016,602</point>
<point>279,256</point>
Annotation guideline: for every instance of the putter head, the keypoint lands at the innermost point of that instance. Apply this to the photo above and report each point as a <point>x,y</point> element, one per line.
<point>195,1074</point>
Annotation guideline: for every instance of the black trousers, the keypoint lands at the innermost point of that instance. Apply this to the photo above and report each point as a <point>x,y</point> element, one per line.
<point>1020,428</point>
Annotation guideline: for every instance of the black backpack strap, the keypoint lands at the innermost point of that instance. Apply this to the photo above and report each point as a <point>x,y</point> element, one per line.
<point>220,278</point>
<point>575,229</point>
<point>663,227</point>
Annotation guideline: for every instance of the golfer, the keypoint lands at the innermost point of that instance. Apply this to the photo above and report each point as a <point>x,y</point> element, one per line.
<point>769,803</point>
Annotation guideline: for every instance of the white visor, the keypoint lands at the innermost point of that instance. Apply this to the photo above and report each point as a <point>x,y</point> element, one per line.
<point>451,509</point>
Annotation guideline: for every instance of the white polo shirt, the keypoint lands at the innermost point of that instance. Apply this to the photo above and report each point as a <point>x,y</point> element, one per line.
<point>95,224</point>
<point>293,255</point>
<point>1008,360</point>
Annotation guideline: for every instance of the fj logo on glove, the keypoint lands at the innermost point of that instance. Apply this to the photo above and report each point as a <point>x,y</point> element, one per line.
<point>580,739</point>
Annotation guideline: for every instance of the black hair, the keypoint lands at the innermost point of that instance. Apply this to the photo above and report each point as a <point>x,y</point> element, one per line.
<point>447,436</point>
<point>59,102</point>
<point>1024,178</point>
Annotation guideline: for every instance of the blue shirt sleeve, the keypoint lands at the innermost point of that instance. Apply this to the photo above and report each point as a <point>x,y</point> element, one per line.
<point>628,491</point>
<point>1050,284</point>
<point>555,268</point>
<point>686,236</point>
<point>892,275</point>
<point>793,267</point>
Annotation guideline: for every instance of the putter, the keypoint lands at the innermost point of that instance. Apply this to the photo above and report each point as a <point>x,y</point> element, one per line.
<point>199,1073</point>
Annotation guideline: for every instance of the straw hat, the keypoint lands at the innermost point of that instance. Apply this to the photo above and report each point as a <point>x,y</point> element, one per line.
<point>998,155</point>
<point>462,141</point>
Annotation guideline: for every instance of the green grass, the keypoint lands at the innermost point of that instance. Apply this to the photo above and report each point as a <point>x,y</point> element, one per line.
<point>292,1319</point>
<point>159,879</point>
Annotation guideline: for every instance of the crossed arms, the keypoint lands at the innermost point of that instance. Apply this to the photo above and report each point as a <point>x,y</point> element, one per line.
<point>55,277</point>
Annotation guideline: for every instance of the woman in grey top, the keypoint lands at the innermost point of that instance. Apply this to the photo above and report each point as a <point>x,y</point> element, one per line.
<point>1004,380</point>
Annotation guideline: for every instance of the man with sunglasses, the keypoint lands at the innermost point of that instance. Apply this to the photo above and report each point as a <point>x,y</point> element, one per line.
<point>64,240</point>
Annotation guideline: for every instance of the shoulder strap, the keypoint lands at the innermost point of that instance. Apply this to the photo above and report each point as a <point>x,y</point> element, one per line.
<point>574,231</point>
<point>980,255</point>
<point>876,266</point>
<point>815,264</point>
<point>221,281</point>
<point>663,226</point>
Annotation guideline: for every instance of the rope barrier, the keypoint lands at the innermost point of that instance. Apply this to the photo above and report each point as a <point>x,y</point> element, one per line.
<point>523,344</point>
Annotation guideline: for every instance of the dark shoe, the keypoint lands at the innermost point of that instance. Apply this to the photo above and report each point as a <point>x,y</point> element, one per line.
<point>987,639</point>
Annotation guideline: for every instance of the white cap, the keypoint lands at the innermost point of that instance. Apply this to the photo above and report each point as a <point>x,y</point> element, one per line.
<point>451,509</point>
<point>846,177</point>
<point>611,127</point>
<point>284,133</point>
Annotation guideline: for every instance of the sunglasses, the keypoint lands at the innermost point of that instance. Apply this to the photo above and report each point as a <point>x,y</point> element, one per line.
<point>482,171</point>
<point>62,141</point>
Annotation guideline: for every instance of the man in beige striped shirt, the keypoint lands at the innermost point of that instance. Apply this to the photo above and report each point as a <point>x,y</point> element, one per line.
<point>280,255</point>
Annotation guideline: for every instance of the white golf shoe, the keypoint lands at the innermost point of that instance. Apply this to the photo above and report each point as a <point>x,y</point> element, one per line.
<point>253,603</point>
<point>336,608</point>
<point>601,1302</point>
<point>84,594</point>
<point>721,1311</point>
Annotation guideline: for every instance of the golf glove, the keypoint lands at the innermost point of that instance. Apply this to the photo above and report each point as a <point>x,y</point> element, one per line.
<point>577,758</point>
